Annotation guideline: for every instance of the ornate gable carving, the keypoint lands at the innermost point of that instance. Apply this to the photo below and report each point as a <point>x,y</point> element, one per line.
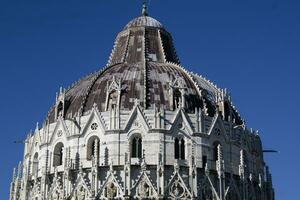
<point>35,190</point>
<point>177,188</point>
<point>95,117</point>
<point>113,94</point>
<point>181,122</point>
<point>81,189</point>
<point>177,90</point>
<point>36,141</point>
<point>111,188</point>
<point>217,129</point>
<point>143,187</point>
<point>60,130</point>
<point>56,190</point>
<point>137,120</point>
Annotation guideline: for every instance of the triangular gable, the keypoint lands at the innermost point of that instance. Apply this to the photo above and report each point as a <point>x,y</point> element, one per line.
<point>137,116</point>
<point>217,124</point>
<point>56,188</point>
<point>110,179</point>
<point>206,191</point>
<point>60,130</point>
<point>181,117</point>
<point>95,117</point>
<point>144,188</point>
<point>232,187</point>
<point>177,188</point>
<point>114,85</point>
<point>37,138</point>
<point>80,182</point>
<point>36,190</point>
<point>212,186</point>
<point>36,141</point>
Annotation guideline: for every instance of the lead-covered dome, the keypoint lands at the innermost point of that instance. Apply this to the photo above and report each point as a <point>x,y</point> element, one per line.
<point>143,69</point>
<point>144,21</point>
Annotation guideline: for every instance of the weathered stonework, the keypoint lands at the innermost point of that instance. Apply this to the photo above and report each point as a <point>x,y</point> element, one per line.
<point>143,128</point>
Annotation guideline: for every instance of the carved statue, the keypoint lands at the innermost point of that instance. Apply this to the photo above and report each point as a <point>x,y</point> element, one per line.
<point>56,195</point>
<point>81,193</point>
<point>144,190</point>
<point>111,191</point>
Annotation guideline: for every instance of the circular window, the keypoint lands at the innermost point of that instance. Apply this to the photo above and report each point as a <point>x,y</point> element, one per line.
<point>180,126</point>
<point>94,126</point>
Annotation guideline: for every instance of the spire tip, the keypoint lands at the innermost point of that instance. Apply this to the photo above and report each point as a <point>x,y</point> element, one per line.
<point>145,9</point>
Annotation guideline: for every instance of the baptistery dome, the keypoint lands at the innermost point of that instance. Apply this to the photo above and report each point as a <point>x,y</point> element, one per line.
<point>145,66</point>
<point>143,127</point>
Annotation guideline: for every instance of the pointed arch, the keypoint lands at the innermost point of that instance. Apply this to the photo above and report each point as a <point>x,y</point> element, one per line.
<point>179,148</point>
<point>58,154</point>
<point>177,99</point>
<point>93,147</point>
<point>35,164</point>
<point>177,188</point>
<point>60,109</point>
<point>111,189</point>
<point>227,113</point>
<point>136,144</point>
<point>215,150</point>
<point>144,188</point>
<point>112,100</point>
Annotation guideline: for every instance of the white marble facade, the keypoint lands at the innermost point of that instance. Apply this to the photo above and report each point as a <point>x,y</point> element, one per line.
<point>111,171</point>
<point>143,153</point>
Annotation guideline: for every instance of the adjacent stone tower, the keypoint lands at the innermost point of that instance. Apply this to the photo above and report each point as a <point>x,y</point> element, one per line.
<point>143,127</point>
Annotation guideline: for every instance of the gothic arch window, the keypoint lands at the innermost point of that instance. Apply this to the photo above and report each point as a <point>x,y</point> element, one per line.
<point>112,100</point>
<point>215,150</point>
<point>136,147</point>
<point>179,148</point>
<point>226,111</point>
<point>58,154</point>
<point>35,166</point>
<point>204,161</point>
<point>93,147</point>
<point>60,109</point>
<point>177,99</point>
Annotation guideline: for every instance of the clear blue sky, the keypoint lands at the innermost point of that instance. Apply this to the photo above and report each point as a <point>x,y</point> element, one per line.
<point>250,47</point>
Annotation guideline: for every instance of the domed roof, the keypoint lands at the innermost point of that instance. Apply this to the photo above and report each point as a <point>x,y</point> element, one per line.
<point>144,21</point>
<point>145,69</point>
<point>131,78</point>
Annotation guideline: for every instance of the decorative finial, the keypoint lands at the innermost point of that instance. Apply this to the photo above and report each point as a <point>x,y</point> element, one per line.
<point>145,9</point>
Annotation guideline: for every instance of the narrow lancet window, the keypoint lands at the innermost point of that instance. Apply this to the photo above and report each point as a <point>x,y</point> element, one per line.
<point>93,148</point>
<point>35,166</point>
<point>112,100</point>
<point>58,155</point>
<point>136,147</point>
<point>176,148</point>
<point>177,99</point>
<point>182,149</point>
<point>179,148</point>
<point>215,151</point>
<point>60,110</point>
